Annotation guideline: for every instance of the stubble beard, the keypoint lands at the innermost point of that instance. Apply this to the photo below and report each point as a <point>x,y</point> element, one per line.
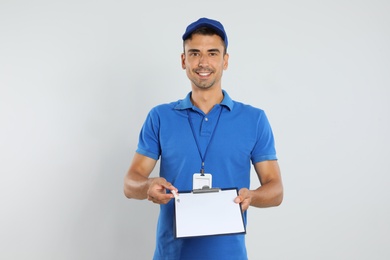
<point>203,85</point>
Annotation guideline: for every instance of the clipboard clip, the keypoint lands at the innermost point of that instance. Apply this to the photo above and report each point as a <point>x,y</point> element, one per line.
<point>205,189</point>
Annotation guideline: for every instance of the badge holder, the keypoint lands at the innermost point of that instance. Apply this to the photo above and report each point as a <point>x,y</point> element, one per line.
<point>201,180</point>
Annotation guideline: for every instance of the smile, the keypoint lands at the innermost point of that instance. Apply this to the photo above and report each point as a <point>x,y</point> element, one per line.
<point>204,74</point>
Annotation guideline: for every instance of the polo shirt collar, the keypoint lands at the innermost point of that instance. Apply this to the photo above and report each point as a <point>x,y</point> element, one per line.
<point>186,102</point>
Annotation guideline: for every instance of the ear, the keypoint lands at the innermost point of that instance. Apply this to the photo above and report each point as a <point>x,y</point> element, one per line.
<point>183,61</point>
<point>225,61</point>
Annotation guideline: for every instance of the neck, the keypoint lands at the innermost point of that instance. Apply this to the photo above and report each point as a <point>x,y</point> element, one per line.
<point>205,100</point>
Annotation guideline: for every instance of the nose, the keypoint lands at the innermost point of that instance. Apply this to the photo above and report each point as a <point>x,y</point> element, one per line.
<point>203,61</point>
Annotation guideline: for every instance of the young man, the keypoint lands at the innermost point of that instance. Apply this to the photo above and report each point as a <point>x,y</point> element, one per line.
<point>204,132</point>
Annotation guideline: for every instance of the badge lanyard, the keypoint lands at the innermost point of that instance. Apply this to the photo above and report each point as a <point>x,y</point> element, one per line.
<point>203,156</point>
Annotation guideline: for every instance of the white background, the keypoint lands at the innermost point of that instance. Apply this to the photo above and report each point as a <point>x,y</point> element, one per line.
<point>78,77</point>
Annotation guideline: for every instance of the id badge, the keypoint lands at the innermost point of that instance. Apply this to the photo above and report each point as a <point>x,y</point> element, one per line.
<point>200,181</point>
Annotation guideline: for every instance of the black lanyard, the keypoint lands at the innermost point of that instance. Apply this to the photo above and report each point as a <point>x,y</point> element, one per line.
<point>203,156</point>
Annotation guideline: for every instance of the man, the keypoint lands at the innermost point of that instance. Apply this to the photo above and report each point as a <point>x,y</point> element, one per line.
<point>205,132</point>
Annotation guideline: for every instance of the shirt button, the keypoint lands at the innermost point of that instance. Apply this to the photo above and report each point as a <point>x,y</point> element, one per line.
<point>206,119</point>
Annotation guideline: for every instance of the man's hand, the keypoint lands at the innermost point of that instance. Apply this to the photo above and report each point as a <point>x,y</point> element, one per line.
<point>157,191</point>
<point>244,197</point>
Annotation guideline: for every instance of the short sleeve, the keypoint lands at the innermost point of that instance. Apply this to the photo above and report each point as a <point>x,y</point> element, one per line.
<point>264,148</point>
<point>148,143</point>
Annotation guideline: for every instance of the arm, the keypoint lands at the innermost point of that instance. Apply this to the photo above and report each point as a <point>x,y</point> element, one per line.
<point>138,185</point>
<point>270,193</point>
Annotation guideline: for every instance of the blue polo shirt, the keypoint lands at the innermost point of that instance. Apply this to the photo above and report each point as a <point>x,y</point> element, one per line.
<point>230,137</point>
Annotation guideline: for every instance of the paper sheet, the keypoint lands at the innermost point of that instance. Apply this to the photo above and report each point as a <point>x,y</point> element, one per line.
<point>212,213</point>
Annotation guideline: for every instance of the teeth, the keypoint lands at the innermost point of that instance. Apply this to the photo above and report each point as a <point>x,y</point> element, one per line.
<point>204,74</point>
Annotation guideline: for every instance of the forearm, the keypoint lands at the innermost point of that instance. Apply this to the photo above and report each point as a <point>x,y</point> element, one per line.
<point>136,186</point>
<point>137,181</point>
<point>270,193</point>
<point>267,195</point>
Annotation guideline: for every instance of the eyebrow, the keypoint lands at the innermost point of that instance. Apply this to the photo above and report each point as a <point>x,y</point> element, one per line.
<point>210,50</point>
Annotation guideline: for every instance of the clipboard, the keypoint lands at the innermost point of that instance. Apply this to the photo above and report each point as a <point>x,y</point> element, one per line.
<point>208,212</point>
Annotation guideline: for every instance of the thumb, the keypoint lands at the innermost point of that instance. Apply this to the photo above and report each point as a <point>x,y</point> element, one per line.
<point>169,186</point>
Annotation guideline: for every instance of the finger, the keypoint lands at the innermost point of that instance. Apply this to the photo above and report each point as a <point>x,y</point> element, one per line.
<point>170,187</point>
<point>244,194</point>
<point>161,198</point>
<point>237,199</point>
<point>244,207</point>
<point>171,190</point>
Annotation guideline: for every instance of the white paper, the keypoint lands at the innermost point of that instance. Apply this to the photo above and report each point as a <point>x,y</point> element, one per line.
<point>211,213</point>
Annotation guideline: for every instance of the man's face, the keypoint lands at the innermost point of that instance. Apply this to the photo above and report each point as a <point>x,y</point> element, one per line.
<point>204,60</point>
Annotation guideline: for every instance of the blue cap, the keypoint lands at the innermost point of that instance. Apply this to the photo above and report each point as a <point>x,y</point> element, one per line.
<point>205,22</point>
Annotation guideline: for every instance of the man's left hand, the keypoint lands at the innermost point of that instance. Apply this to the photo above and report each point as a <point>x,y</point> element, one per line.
<point>244,197</point>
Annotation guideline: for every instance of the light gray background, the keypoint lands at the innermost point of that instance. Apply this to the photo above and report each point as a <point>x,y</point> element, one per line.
<point>78,78</point>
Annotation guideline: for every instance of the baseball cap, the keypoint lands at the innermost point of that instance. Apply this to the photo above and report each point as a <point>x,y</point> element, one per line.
<point>206,22</point>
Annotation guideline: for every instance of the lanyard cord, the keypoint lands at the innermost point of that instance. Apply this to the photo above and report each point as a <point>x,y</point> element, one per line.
<point>203,156</point>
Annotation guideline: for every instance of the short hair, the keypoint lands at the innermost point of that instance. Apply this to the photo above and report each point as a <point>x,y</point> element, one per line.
<point>206,31</point>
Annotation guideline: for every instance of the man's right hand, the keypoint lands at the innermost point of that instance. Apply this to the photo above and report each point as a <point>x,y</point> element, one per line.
<point>157,192</point>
